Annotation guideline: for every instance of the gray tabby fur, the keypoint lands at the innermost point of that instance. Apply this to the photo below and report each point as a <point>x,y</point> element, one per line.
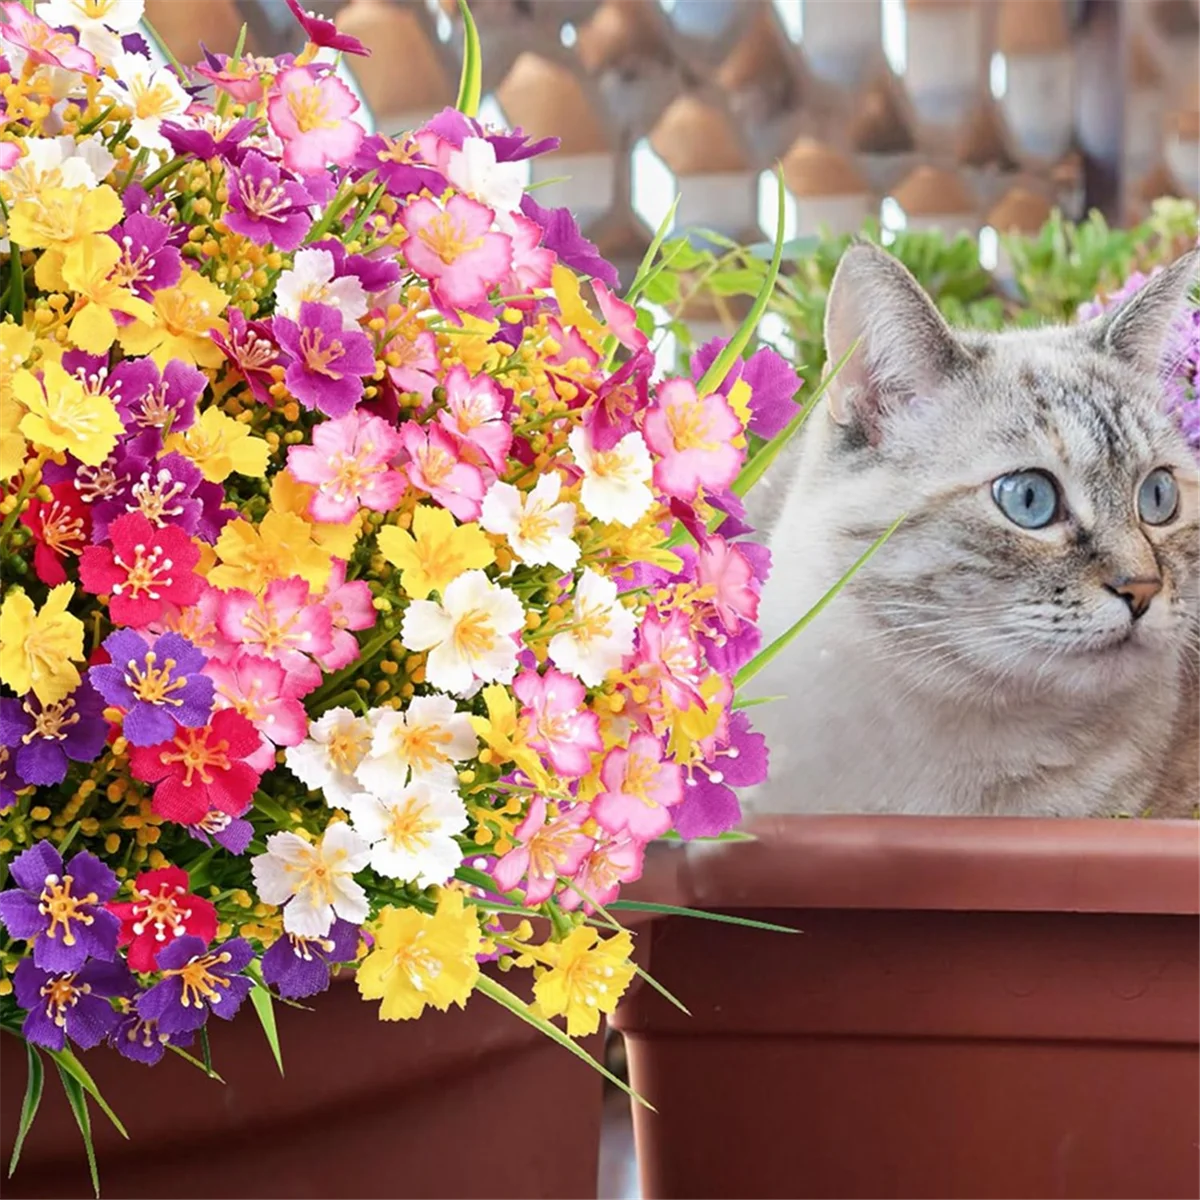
<point>973,666</point>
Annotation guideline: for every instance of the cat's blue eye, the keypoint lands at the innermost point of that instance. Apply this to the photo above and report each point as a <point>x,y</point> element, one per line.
<point>1158,497</point>
<point>1027,498</point>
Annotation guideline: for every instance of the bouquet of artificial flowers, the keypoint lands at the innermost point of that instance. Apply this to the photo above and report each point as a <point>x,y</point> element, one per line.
<point>364,591</point>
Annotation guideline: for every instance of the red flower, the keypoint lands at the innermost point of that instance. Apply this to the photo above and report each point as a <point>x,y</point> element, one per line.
<point>145,569</point>
<point>60,526</point>
<point>162,910</point>
<point>200,770</point>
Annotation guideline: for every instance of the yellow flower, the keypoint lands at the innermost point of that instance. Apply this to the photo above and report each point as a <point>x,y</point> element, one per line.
<point>36,648</point>
<point>441,551</point>
<point>186,315</point>
<point>16,345</point>
<point>63,416</point>
<point>574,309</point>
<point>474,346</point>
<point>58,217</point>
<point>219,445</point>
<point>289,495</point>
<point>277,547</point>
<point>506,738</point>
<point>692,726</point>
<point>420,959</point>
<point>587,978</point>
<point>86,270</point>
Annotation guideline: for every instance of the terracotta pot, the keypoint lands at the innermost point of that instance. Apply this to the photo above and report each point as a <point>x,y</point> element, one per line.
<point>470,1103</point>
<point>974,1008</point>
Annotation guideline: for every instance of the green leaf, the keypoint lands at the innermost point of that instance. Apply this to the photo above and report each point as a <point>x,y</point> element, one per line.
<point>260,997</point>
<point>740,702</point>
<point>662,991</point>
<point>763,657</point>
<point>674,910</point>
<point>730,835</point>
<point>157,38</point>
<point>66,1061</point>
<point>33,1097</point>
<point>78,1102</point>
<point>639,279</point>
<point>205,1048</point>
<point>502,996</point>
<point>470,84</point>
<point>16,284</point>
<point>195,1062</point>
<point>715,375</point>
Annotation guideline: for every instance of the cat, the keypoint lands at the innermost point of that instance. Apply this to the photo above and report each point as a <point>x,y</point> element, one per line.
<point>1025,642</point>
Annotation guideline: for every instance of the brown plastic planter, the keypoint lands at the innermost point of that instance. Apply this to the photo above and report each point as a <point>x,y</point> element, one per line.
<point>470,1103</point>
<point>975,1008</point>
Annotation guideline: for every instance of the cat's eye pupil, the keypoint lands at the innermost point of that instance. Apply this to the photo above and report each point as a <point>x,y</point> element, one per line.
<point>1027,498</point>
<point>1158,497</point>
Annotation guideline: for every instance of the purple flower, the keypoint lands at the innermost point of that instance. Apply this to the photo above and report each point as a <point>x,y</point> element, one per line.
<point>159,688</point>
<point>148,261</point>
<point>209,136</point>
<point>772,381</point>
<point>196,981</point>
<point>374,274</point>
<point>710,806</point>
<point>265,207</point>
<point>561,234</point>
<point>61,1005</point>
<point>142,1040</point>
<point>328,362</point>
<point>298,966</point>
<point>397,165</point>
<point>322,32</point>
<point>250,346</point>
<point>41,738</point>
<point>10,781</point>
<point>149,400</point>
<point>453,127</point>
<point>61,910</point>
<point>233,833</point>
<point>167,492</point>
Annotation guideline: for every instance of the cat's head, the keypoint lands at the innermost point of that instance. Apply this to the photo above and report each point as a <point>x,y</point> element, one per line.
<point>1051,503</point>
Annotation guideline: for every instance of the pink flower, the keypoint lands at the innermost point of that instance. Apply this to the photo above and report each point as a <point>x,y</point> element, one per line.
<point>258,689</point>
<point>533,264</point>
<point>284,625</point>
<point>436,467</point>
<point>348,465</point>
<point>603,870</point>
<point>561,728</point>
<point>621,318</point>
<point>10,155</point>
<point>545,851</point>
<point>475,412</point>
<point>699,441</point>
<point>418,368</point>
<point>455,249</point>
<point>322,32</point>
<point>309,110</point>
<point>44,45</point>
<point>669,660</point>
<point>351,606</point>
<point>640,789</point>
<point>722,566</point>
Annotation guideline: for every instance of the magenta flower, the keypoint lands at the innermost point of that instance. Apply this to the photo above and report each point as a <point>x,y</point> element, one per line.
<point>148,259</point>
<point>436,466</point>
<point>250,347</point>
<point>640,788</point>
<point>321,32</point>
<point>621,318</point>
<point>398,165</point>
<point>619,401</point>
<point>668,661</point>
<point>455,249</point>
<point>475,413</point>
<point>533,263</point>
<point>328,362</point>
<point>44,45</point>
<point>772,381</point>
<point>264,206</point>
<point>545,850</point>
<point>561,235</point>
<point>710,806</point>
<point>309,110</point>
<point>560,726</point>
<point>347,463</point>
<point>699,441</point>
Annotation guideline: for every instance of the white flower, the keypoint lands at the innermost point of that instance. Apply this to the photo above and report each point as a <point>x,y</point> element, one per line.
<point>154,95</point>
<point>468,635</point>
<point>474,170</point>
<point>311,278</point>
<point>327,759</point>
<point>98,22</point>
<point>412,832</point>
<point>600,634</point>
<point>422,743</point>
<point>58,162</point>
<point>537,527</point>
<point>316,881</point>
<point>614,481</point>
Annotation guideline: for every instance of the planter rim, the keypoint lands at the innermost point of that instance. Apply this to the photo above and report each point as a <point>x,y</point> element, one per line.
<point>998,864</point>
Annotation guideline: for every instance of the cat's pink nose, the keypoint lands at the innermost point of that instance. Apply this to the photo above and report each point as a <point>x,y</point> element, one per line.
<point>1137,593</point>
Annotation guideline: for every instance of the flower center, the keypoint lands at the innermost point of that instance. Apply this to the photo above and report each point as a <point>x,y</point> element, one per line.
<point>154,499</point>
<point>146,574</point>
<point>350,476</point>
<point>448,238</point>
<point>690,426</point>
<point>473,633</point>
<point>152,684</point>
<point>52,722</point>
<point>200,983</point>
<point>151,99</point>
<point>261,198</point>
<point>57,903</point>
<point>316,877</point>
<point>307,948</point>
<point>272,634</point>
<point>639,775</point>
<point>97,483</point>
<point>317,355</point>
<point>309,109</point>
<point>419,963</point>
<point>198,755</point>
<point>346,749</point>
<point>436,465</point>
<point>421,746</point>
<point>410,827</point>
<point>161,911</point>
<point>62,530</point>
<point>534,525</point>
<point>133,266</point>
<point>71,412</point>
<point>549,849</point>
<point>594,622</point>
<point>60,995</point>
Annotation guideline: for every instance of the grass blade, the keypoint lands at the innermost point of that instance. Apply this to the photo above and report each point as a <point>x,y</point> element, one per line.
<point>470,83</point>
<point>741,702</point>
<point>66,1061</point>
<point>662,991</point>
<point>674,910</point>
<point>33,1097</point>
<point>502,996</point>
<point>195,1062</point>
<point>764,657</point>
<point>265,1008</point>
<point>77,1099</point>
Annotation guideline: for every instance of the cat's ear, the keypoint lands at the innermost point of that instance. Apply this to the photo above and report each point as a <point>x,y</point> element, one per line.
<point>1137,332</point>
<point>902,346</point>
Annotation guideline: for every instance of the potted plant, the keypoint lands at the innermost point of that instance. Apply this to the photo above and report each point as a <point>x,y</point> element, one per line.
<point>364,611</point>
<point>969,1007</point>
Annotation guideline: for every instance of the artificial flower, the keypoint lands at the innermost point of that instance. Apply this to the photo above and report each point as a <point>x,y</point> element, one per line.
<point>337,743</point>
<point>560,725</point>
<point>599,634</point>
<point>456,250</point>
<point>42,740</point>
<point>252,555</point>
<point>436,552</point>
<point>186,317</point>
<point>39,648</point>
<point>313,278</point>
<point>309,110</point>
<point>72,1004</point>
<point>614,481</point>
<point>546,850</point>
<point>588,975</point>
<point>60,527</point>
<point>536,524</point>
<point>640,787</point>
<point>699,440</point>
<point>196,981</point>
<point>421,744</point>
<point>61,415</point>
<point>220,446</point>
<point>162,909</point>
<point>412,832</point>
<point>437,465</point>
<point>327,360</point>
<point>297,967</point>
